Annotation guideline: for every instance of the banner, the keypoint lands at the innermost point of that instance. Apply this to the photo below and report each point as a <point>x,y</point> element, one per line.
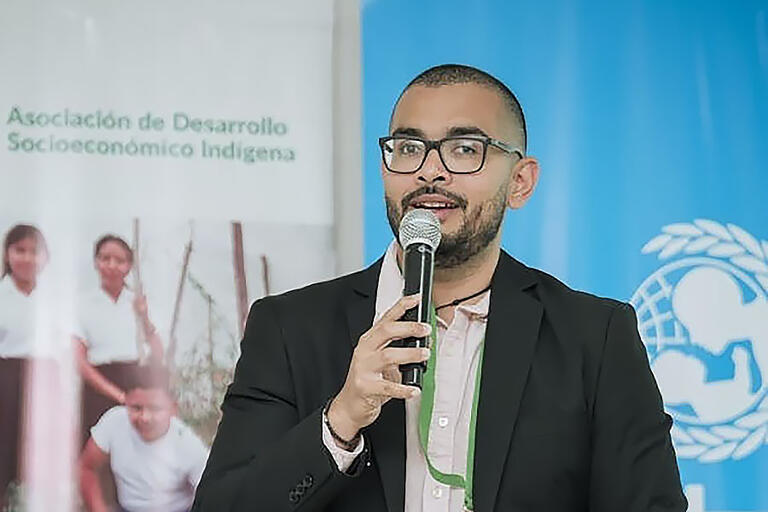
<point>163,165</point>
<point>649,120</point>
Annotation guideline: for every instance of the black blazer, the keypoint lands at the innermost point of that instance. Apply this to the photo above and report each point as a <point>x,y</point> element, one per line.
<point>569,419</point>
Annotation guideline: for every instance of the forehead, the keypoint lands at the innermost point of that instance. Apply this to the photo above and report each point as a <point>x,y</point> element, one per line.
<point>434,110</point>
<point>112,248</point>
<point>26,242</point>
<point>147,396</point>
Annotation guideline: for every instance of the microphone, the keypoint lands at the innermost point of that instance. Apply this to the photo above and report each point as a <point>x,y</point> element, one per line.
<point>419,238</point>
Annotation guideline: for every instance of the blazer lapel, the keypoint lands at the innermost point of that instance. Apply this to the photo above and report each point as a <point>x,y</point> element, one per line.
<point>387,433</point>
<point>514,318</point>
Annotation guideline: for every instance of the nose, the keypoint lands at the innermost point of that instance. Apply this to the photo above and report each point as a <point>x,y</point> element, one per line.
<point>433,169</point>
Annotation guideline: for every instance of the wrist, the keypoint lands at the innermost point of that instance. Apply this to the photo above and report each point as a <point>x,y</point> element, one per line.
<point>148,326</point>
<point>345,432</point>
<point>118,396</point>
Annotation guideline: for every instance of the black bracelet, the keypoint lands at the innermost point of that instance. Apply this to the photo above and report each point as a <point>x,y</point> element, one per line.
<point>348,445</point>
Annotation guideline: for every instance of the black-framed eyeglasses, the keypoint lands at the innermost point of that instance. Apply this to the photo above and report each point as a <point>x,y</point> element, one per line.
<point>405,154</point>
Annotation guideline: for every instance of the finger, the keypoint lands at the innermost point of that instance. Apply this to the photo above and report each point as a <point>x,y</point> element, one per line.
<point>392,374</point>
<point>389,331</point>
<point>397,356</point>
<point>397,311</point>
<point>395,390</point>
<point>383,333</point>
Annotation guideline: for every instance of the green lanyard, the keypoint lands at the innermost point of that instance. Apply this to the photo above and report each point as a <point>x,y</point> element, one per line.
<point>425,420</point>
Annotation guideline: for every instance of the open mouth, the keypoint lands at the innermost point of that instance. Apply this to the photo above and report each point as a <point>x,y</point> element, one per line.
<point>428,203</point>
<point>437,204</point>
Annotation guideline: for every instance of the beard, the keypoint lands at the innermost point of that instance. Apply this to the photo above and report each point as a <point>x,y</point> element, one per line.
<point>479,228</point>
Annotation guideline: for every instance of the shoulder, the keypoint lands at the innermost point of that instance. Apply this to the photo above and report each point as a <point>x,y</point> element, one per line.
<point>558,295</point>
<point>185,436</point>
<point>582,324</point>
<point>8,290</point>
<point>114,416</point>
<point>572,314</point>
<point>6,284</point>
<point>318,300</point>
<point>111,428</point>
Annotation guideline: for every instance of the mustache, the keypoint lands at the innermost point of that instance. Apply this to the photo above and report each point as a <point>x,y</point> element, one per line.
<point>460,201</point>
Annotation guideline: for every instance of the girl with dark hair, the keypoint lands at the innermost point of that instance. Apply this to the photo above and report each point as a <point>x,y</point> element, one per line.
<point>114,332</point>
<point>25,254</point>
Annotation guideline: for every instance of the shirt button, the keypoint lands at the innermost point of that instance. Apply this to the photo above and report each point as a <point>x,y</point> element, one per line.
<point>442,421</point>
<point>437,492</point>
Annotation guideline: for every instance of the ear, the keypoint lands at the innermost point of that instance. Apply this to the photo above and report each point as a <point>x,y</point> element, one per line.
<point>525,176</point>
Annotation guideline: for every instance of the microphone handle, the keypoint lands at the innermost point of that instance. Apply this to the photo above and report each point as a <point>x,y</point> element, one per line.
<point>418,268</point>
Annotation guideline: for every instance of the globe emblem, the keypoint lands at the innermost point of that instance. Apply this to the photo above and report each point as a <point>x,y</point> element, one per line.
<point>703,317</point>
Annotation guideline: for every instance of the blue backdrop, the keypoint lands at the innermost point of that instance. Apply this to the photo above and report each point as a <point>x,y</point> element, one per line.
<point>650,120</point>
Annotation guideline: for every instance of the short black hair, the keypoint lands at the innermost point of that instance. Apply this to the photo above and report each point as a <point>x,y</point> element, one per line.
<point>150,377</point>
<point>451,74</point>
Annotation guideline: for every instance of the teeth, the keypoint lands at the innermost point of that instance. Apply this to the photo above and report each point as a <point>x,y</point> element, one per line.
<point>434,205</point>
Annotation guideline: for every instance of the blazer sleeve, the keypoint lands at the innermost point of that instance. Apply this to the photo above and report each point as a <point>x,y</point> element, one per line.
<point>265,456</point>
<point>634,468</point>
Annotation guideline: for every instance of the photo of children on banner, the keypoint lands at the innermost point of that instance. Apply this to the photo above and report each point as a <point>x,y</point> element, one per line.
<point>133,451</point>
<point>25,254</point>
<point>114,332</point>
<point>156,459</point>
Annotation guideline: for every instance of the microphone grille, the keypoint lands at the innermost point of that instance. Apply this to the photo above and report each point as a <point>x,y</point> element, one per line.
<point>420,226</point>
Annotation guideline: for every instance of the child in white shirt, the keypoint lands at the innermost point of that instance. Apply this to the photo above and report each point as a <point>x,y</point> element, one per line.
<point>157,460</point>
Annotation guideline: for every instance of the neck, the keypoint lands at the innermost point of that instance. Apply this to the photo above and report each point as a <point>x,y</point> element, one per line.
<point>25,286</point>
<point>463,280</point>
<point>112,289</point>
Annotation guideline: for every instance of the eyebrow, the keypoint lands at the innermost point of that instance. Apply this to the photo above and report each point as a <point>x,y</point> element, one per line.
<point>413,132</point>
<point>453,131</point>
<point>456,131</point>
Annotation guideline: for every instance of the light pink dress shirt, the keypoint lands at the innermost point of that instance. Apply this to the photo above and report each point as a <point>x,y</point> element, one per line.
<point>458,351</point>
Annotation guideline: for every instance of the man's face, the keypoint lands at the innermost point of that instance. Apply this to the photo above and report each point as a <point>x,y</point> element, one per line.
<point>476,202</point>
<point>150,412</point>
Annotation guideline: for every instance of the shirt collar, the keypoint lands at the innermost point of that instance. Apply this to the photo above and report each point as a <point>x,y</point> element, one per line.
<point>126,296</point>
<point>8,286</point>
<point>390,287</point>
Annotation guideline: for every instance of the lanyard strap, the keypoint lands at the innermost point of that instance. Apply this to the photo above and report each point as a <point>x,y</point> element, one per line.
<point>425,420</point>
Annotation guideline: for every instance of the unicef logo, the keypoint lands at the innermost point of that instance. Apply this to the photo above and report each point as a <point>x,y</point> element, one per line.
<point>703,317</point>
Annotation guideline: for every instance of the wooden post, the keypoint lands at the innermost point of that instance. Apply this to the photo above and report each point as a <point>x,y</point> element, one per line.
<point>241,286</point>
<point>211,364</point>
<point>265,273</point>
<point>138,290</point>
<point>172,344</point>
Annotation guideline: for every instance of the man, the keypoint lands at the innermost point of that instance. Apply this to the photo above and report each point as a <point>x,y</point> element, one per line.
<point>568,416</point>
<point>157,460</point>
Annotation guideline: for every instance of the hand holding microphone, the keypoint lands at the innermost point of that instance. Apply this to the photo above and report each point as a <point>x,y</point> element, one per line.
<point>373,377</point>
<point>397,341</point>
